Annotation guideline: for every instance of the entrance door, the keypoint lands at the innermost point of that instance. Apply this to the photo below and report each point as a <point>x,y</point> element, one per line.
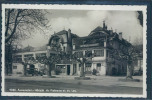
<point>114,71</point>
<point>68,69</point>
<point>31,70</point>
<point>87,68</point>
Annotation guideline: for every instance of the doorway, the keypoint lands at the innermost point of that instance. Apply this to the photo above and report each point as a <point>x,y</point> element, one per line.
<point>68,69</point>
<point>114,71</point>
<point>32,69</point>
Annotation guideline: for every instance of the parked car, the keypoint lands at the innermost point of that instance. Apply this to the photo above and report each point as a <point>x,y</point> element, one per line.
<point>33,71</point>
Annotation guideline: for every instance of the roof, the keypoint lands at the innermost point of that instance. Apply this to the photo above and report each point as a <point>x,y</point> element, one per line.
<point>99,28</point>
<point>28,48</point>
<point>42,48</point>
<point>62,32</point>
<point>74,35</point>
<point>65,32</point>
<point>32,49</point>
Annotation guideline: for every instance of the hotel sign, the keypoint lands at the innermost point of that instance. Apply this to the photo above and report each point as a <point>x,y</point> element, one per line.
<point>90,45</point>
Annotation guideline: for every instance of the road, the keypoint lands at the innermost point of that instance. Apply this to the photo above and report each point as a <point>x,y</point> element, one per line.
<point>100,85</point>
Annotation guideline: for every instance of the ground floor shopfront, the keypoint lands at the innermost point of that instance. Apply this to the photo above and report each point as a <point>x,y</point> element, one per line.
<point>75,69</point>
<point>101,67</point>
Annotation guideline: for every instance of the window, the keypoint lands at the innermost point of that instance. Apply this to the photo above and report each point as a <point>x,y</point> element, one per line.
<point>136,62</point>
<point>52,54</point>
<point>98,66</point>
<point>64,49</point>
<point>107,53</point>
<point>40,55</point>
<point>99,53</point>
<point>119,46</point>
<point>73,46</point>
<point>74,68</point>
<point>17,58</point>
<point>79,67</point>
<point>79,54</point>
<point>102,44</point>
<point>88,53</point>
<point>14,67</point>
<point>28,55</point>
<point>88,66</point>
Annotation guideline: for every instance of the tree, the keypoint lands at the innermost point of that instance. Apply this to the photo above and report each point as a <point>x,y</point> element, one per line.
<point>23,22</point>
<point>130,56</point>
<point>82,61</point>
<point>140,17</point>
<point>49,61</point>
<point>19,25</point>
<point>28,61</point>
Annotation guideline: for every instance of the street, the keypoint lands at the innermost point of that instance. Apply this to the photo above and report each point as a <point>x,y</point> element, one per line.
<point>97,84</point>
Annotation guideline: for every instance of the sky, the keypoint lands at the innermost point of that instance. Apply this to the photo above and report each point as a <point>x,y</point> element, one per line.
<point>82,22</point>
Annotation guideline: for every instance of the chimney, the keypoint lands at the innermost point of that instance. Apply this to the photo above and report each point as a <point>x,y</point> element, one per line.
<point>73,44</point>
<point>104,25</point>
<point>120,35</point>
<point>69,35</point>
<point>111,32</point>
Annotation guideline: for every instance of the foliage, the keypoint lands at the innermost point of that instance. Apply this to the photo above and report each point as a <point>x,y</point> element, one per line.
<point>49,60</point>
<point>19,25</point>
<point>57,71</point>
<point>94,72</point>
<point>81,61</point>
<point>129,55</point>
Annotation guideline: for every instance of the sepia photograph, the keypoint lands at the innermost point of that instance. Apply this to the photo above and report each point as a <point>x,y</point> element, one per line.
<point>74,50</point>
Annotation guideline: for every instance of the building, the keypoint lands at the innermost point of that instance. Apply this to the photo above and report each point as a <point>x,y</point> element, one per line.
<point>23,55</point>
<point>62,42</point>
<point>101,48</point>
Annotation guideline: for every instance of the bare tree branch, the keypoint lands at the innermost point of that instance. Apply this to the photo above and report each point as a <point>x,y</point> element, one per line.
<point>20,18</point>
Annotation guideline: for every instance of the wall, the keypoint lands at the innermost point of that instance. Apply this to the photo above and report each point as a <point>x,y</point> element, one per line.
<point>19,70</point>
<point>102,70</point>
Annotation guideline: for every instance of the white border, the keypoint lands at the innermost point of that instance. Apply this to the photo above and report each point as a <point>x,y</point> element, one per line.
<point>77,7</point>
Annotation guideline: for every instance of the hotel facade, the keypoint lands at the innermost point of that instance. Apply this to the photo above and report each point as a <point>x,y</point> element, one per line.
<point>101,49</point>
